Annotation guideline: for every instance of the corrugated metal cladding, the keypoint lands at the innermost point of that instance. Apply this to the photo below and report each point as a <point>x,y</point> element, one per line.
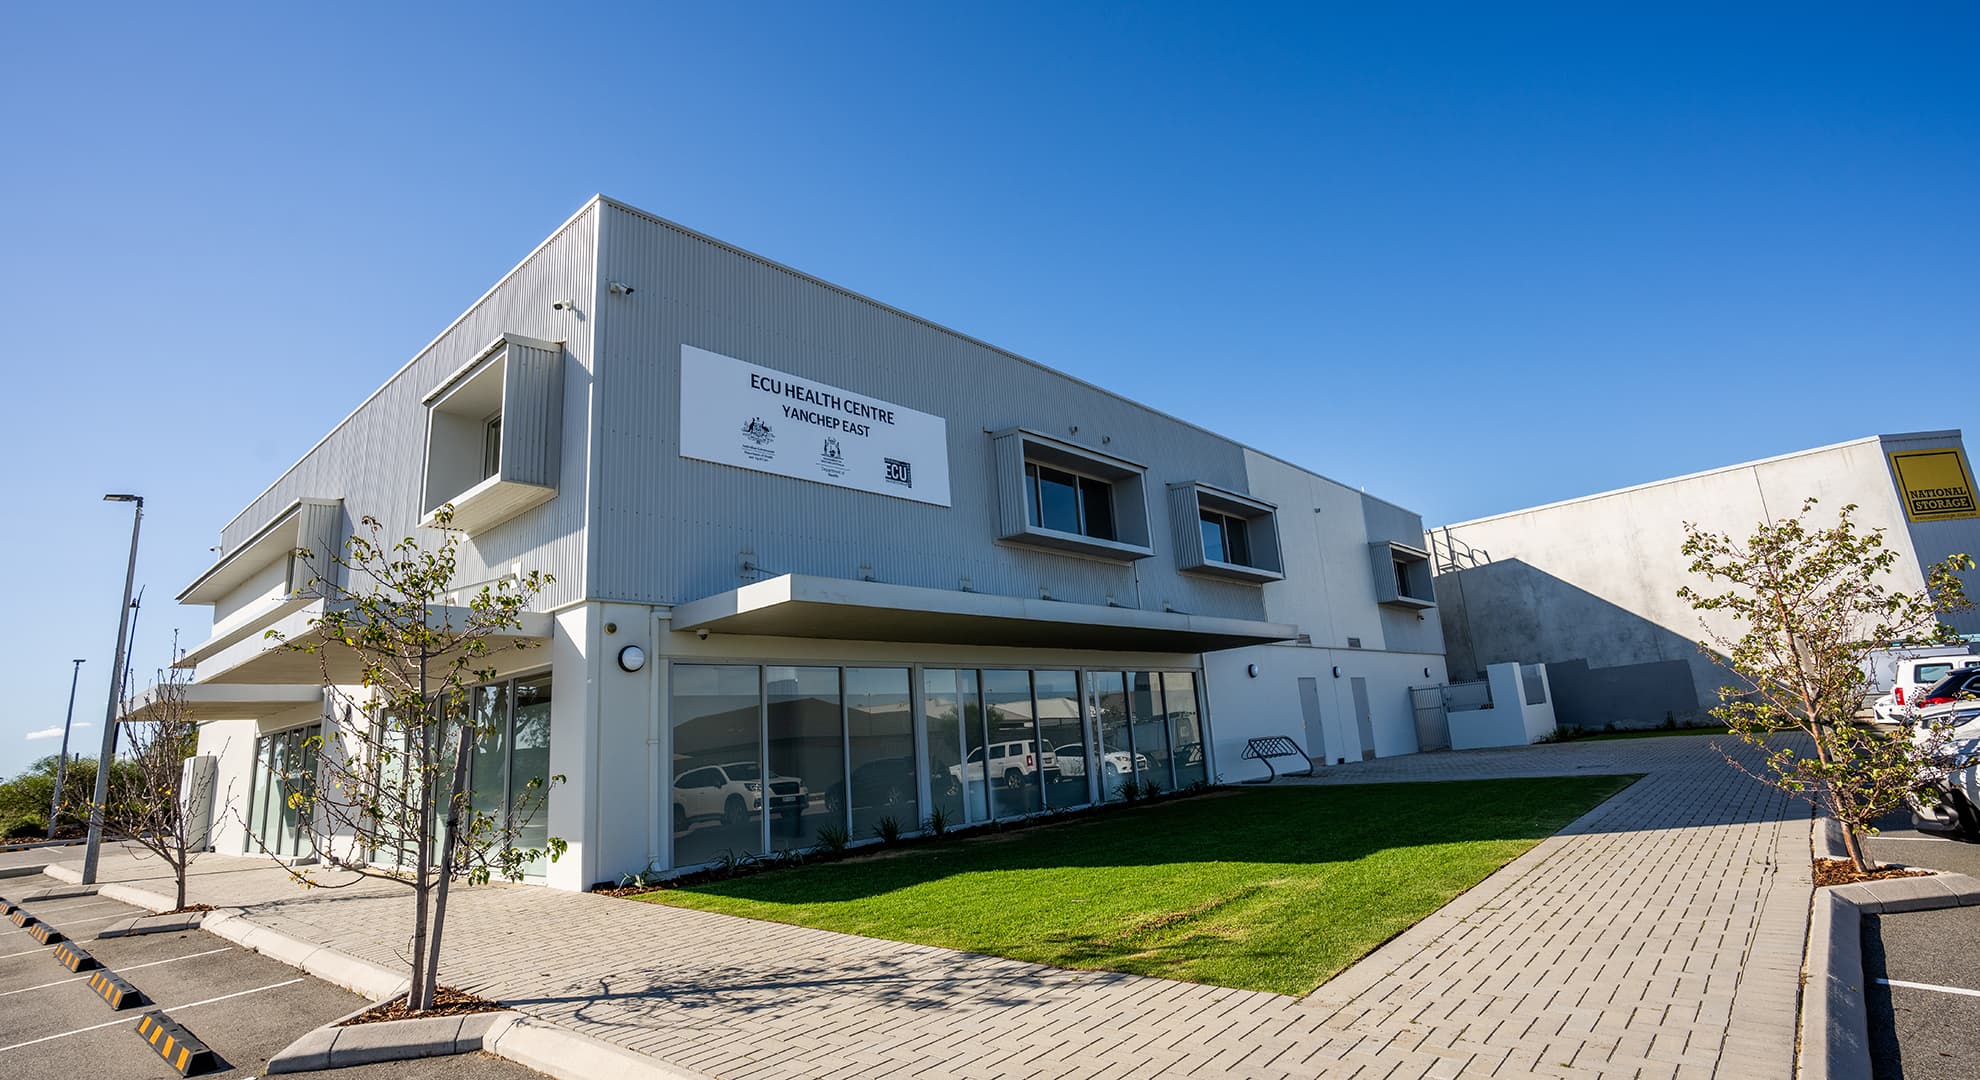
<point>671,529</point>
<point>1402,630</point>
<point>374,460</point>
<point>533,415</point>
<point>1185,530</point>
<point>321,531</point>
<point>1934,541</point>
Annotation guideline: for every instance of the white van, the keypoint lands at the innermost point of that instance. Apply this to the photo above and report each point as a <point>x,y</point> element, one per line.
<point>1913,676</point>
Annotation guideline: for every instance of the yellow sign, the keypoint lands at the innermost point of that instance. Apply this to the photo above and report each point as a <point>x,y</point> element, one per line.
<point>1935,484</point>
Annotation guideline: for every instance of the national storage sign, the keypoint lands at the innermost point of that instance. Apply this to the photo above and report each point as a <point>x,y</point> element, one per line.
<point>736,413</point>
<point>1936,485</point>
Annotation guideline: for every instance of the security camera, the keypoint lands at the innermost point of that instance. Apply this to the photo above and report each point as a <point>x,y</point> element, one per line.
<point>702,633</point>
<point>620,288</point>
<point>564,305</point>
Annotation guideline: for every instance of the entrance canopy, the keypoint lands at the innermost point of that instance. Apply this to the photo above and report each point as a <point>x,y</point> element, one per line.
<point>202,702</point>
<point>800,605</point>
<point>259,660</point>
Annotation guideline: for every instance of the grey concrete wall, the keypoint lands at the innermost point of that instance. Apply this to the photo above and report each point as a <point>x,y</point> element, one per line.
<point>1594,581</point>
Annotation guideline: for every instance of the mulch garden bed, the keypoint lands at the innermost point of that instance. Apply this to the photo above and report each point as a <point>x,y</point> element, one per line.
<point>447,1001</point>
<point>1843,872</point>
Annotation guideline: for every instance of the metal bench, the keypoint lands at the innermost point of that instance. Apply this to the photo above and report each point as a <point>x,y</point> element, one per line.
<point>1274,746</point>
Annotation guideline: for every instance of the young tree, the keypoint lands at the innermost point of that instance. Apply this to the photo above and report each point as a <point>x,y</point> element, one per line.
<point>146,800</point>
<point>1808,606</point>
<point>394,800</point>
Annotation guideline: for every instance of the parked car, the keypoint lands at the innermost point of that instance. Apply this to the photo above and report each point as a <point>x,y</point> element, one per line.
<point>1114,764</point>
<point>883,782</point>
<point>1915,678</point>
<point>1011,762</point>
<point>731,792</point>
<point>1951,703</point>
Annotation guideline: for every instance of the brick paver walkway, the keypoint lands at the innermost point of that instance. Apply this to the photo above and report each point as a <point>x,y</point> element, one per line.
<point>1661,935</point>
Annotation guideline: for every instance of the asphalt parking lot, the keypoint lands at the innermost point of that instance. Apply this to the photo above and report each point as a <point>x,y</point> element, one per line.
<point>244,1006</point>
<point>1922,968</point>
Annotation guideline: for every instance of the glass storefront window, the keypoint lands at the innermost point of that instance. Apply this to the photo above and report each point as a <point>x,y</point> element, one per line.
<point>1107,698</point>
<point>967,687</point>
<point>718,783</point>
<point>529,759</point>
<point>285,765</point>
<point>1015,763</point>
<point>945,772</point>
<point>1151,730</point>
<point>488,766</point>
<point>807,754</point>
<point>1062,736</point>
<point>880,734</point>
<point>1185,727</point>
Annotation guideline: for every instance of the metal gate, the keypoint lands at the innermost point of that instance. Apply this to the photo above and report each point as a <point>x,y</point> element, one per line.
<point>1433,726</point>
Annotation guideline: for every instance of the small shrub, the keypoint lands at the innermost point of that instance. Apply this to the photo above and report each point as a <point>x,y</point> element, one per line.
<point>732,861</point>
<point>1150,789</point>
<point>1129,790</point>
<point>648,878</point>
<point>937,821</point>
<point>833,838</point>
<point>888,829</point>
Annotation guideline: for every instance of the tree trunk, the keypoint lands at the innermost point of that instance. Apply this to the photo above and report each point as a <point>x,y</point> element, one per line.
<point>457,798</point>
<point>1853,844</point>
<point>419,996</point>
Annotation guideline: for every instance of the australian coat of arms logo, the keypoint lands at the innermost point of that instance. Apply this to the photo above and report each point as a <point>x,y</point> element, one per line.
<point>759,437</point>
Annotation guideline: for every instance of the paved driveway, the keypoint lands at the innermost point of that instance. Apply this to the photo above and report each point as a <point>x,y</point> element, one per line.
<point>1659,935</point>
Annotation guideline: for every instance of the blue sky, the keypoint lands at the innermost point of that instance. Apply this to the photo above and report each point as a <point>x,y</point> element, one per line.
<point>1477,261</point>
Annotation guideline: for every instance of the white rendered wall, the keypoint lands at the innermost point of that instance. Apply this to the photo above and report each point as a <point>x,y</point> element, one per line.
<point>1243,707</point>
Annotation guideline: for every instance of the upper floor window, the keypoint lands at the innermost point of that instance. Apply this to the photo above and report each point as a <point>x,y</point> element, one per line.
<point>1067,497</point>
<point>1402,575</point>
<point>491,446</point>
<point>1225,538</point>
<point>493,432</point>
<point>1225,534</point>
<point>1069,502</point>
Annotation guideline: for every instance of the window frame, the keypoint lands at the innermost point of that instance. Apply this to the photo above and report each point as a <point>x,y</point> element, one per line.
<point>1402,575</point>
<point>1019,455</point>
<point>1192,503</point>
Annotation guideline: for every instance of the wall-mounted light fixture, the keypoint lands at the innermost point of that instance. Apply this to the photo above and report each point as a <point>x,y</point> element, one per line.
<point>1337,671</point>
<point>619,288</point>
<point>1251,670</point>
<point>632,658</point>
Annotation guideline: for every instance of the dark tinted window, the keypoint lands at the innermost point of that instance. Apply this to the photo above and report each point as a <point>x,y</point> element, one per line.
<point>1959,682</point>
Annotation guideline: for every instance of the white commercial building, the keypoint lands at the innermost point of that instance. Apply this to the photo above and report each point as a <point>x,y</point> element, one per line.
<point>817,562</point>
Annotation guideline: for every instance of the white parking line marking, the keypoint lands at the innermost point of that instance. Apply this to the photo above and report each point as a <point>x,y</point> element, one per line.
<point>170,1009</point>
<point>74,922</point>
<point>133,967</point>
<point>79,907</point>
<point>1930,986</point>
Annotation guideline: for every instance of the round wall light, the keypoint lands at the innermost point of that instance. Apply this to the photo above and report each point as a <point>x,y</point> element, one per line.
<point>1251,670</point>
<point>632,658</point>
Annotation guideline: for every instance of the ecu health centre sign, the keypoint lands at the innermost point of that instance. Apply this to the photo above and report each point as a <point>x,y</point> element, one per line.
<point>757,418</point>
<point>1936,484</point>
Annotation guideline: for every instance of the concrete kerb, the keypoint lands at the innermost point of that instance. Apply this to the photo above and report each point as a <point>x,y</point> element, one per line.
<point>1835,1022</point>
<point>335,1047</point>
<point>534,1044</point>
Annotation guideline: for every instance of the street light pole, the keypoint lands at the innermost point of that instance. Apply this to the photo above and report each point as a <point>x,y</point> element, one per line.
<point>94,850</point>
<point>62,763</point>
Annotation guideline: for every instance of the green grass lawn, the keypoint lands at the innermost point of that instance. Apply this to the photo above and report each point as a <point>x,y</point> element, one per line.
<point>1652,733</point>
<point>1274,888</point>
